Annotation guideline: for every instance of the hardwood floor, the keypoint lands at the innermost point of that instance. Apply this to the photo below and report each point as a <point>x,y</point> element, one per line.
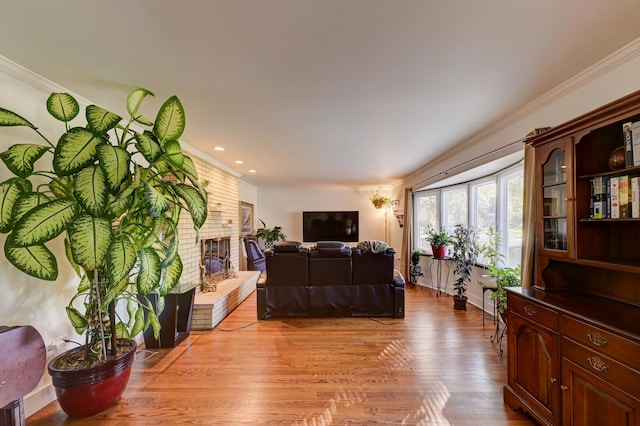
<point>435,367</point>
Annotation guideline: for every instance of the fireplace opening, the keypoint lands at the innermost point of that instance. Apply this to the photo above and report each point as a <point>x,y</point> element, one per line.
<point>215,262</point>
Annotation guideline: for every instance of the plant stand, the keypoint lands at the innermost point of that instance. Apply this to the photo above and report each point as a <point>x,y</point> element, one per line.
<point>438,285</point>
<point>416,272</point>
<point>499,335</point>
<point>175,319</point>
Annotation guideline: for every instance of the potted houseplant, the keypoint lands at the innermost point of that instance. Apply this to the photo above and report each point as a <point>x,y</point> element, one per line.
<point>270,235</point>
<point>115,195</point>
<point>505,277</point>
<point>464,254</point>
<point>439,239</point>
<point>378,200</point>
<point>489,250</point>
<point>416,269</point>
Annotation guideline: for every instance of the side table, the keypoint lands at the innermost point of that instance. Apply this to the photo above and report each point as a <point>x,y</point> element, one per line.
<point>175,319</point>
<point>439,273</point>
<point>484,290</point>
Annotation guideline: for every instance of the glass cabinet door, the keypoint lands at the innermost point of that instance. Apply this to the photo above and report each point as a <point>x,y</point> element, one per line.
<point>554,200</point>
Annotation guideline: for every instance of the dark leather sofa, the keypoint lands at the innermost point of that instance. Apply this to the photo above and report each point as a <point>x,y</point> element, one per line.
<point>329,279</point>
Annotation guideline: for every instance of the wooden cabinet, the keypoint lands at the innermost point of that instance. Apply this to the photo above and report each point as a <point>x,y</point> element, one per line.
<point>533,358</point>
<point>574,338</point>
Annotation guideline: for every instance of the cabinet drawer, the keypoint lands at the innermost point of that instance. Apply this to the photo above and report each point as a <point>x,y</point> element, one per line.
<point>606,368</point>
<point>598,339</point>
<point>533,311</point>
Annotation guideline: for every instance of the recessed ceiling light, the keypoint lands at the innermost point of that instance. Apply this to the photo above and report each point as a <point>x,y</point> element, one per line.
<point>218,148</point>
<point>251,171</point>
<point>239,161</point>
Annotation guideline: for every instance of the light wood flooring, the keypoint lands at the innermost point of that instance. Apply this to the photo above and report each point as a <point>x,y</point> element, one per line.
<point>435,367</point>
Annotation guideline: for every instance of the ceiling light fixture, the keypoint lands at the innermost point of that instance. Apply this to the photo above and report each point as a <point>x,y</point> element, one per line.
<point>239,162</point>
<point>218,148</point>
<point>251,171</point>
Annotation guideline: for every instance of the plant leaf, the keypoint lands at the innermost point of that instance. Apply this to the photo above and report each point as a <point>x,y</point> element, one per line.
<point>121,258</point>
<point>63,106</point>
<point>100,120</point>
<point>172,252</point>
<point>90,238</point>
<point>28,201</point>
<point>133,104</point>
<point>172,276</point>
<point>170,121</point>
<point>174,153</point>
<point>78,321</point>
<point>10,192</point>
<point>20,158</point>
<point>62,187</point>
<point>85,284</point>
<point>10,118</point>
<point>150,271</point>
<point>114,291</point>
<point>155,324</point>
<point>44,222</point>
<point>148,146</point>
<point>114,162</point>
<point>189,169</point>
<point>155,201</point>
<point>90,190</point>
<point>138,324</point>
<point>196,204</point>
<point>75,150</point>
<point>37,261</point>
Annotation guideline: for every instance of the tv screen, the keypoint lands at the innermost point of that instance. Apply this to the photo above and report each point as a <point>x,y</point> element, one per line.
<point>330,226</point>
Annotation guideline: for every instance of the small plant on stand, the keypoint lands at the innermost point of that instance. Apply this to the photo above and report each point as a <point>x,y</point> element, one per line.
<point>416,269</point>
<point>270,235</point>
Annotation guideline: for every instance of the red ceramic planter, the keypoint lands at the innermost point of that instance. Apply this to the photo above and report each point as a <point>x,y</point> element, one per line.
<point>439,251</point>
<point>83,393</point>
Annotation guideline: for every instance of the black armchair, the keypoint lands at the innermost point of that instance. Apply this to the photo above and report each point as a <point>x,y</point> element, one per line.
<point>255,258</point>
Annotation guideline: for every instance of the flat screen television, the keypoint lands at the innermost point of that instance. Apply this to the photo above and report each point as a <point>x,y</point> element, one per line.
<point>330,226</point>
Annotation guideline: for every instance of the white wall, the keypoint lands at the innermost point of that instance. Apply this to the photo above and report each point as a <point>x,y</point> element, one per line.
<point>280,207</point>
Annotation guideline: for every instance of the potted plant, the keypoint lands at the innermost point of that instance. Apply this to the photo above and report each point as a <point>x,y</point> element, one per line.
<point>506,277</point>
<point>489,250</point>
<point>115,195</point>
<point>270,235</point>
<point>465,254</point>
<point>416,269</point>
<point>378,200</point>
<point>439,239</point>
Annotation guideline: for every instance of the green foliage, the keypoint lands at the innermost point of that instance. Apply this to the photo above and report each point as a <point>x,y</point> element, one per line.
<point>506,277</point>
<point>465,254</point>
<point>119,217</point>
<point>438,237</point>
<point>415,257</point>
<point>489,249</point>
<point>270,235</point>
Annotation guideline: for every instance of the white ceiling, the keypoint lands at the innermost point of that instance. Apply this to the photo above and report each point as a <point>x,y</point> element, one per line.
<point>319,92</point>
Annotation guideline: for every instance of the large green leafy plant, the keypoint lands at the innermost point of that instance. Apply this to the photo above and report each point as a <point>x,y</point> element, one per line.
<point>465,254</point>
<point>115,195</point>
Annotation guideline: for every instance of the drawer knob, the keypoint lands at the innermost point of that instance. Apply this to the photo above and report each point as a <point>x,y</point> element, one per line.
<point>597,364</point>
<point>552,380</point>
<point>598,339</point>
<point>564,388</point>
<point>530,310</point>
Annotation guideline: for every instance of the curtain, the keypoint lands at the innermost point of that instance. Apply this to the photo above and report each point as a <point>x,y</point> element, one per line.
<point>407,233</point>
<point>529,218</point>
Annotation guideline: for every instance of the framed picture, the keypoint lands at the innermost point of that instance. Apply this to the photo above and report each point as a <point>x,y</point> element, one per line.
<point>246,218</point>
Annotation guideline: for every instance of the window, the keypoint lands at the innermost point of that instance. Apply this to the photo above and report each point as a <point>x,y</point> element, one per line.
<point>427,214</point>
<point>494,201</point>
<point>455,207</point>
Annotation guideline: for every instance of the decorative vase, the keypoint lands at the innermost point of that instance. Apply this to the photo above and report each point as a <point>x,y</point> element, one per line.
<point>88,391</point>
<point>617,159</point>
<point>439,251</point>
